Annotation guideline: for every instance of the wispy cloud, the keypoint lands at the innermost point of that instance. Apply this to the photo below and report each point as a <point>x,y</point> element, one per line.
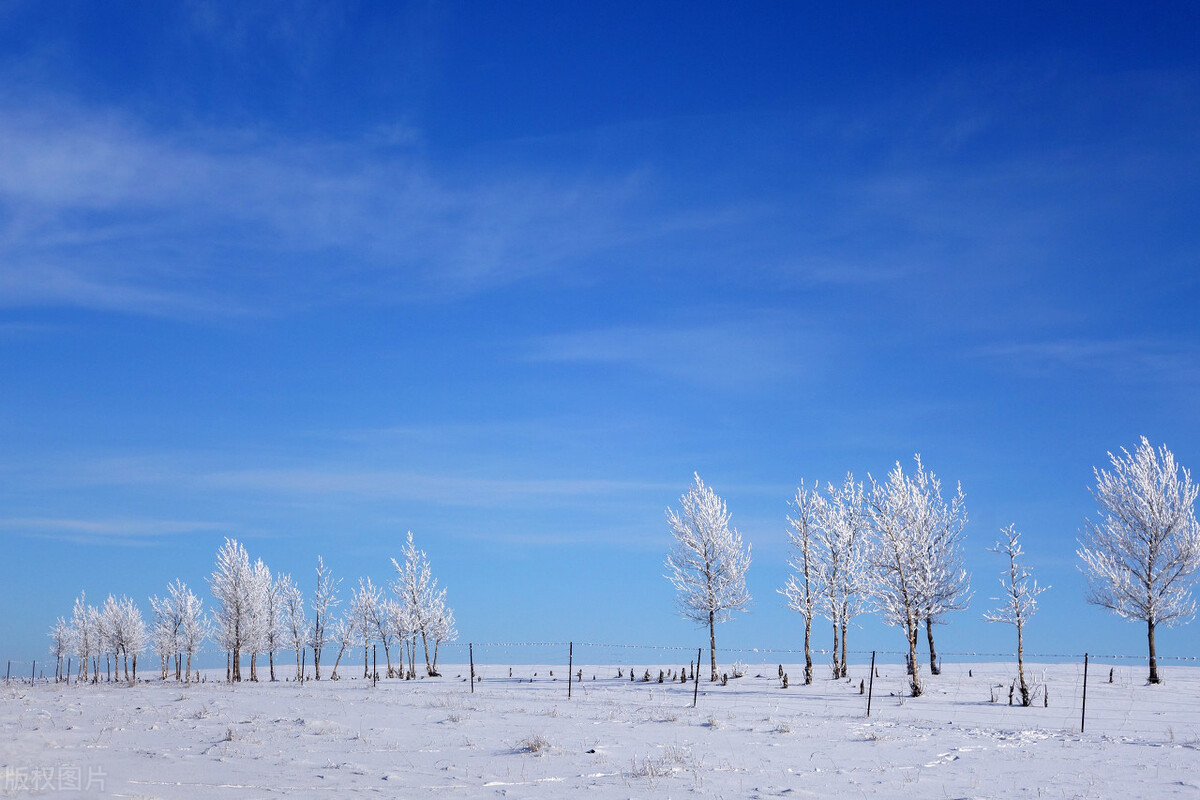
<point>104,213</point>
<point>437,489</point>
<point>1129,358</point>
<point>121,532</point>
<point>727,355</point>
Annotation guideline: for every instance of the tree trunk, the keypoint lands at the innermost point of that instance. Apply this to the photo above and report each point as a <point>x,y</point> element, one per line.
<point>135,667</point>
<point>317,663</point>
<point>178,666</point>
<point>934,669</point>
<point>436,644</point>
<point>333,676</point>
<point>388,657</point>
<point>299,674</point>
<point>808,677</point>
<point>845,670</point>
<point>189,666</point>
<point>712,644</point>
<point>429,670</point>
<point>913,629</point>
<point>1026,700</point>
<point>271,663</point>
<point>1153,657</point>
<point>164,667</point>
<point>836,670</point>
<point>365,665</point>
<point>254,667</point>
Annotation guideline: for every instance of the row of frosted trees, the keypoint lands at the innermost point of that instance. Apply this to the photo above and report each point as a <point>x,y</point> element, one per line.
<point>895,546</point>
<point>255,612</point>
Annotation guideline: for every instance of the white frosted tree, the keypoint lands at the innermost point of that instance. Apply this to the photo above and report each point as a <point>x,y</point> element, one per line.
<point>325,599</point>
<point>803,589</point>
<point>60,645</point>
<point>1018,601</point>
<point>425,611</point>
<point>344,633</point>
<point>165,631</point>
<point>938,524</point>
<point>364,612</point>
<point>85,633</point>
<point>294,621</point>
<point>194,626</point>
<point>895,562</point>
<point>707,564</point>
<point>231,584</point>
<point>840,552</point>
<point>1142,554</point>
<point>124,632</point>
<point>403,628</point>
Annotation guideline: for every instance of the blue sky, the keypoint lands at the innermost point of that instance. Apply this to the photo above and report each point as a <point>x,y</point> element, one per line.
<point>506,274</point>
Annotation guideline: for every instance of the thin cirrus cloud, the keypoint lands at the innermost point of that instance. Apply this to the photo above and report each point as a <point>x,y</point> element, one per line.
<point>717,355</point>
<point>106,532</point>
<point>103,213</point>
<point>412,486</point>
<point>1131,358</point>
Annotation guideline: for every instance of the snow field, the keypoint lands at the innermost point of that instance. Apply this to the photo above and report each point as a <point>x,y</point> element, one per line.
<point>614,738</point>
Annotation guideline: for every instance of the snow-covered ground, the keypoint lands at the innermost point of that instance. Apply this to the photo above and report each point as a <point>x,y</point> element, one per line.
<point>612,739</point>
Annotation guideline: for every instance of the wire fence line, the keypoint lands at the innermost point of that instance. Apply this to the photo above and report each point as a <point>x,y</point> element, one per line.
<point>975,690</point>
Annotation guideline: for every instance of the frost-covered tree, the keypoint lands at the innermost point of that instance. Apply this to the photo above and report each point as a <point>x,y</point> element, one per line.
<point>325,598</point>
<point>895,562</point>
<point>938,524</point>
<point>803,589</point>
<point>707,564</point>
<point>425,611</point>
<point>295,624</point>
<point>385,631</point>
<point>1018,601</point>
<point>232,586</point>
<point>441,625</point>
<point>275,621</point>
<point>263,619</point>
<point>60,645</point>
<point>85,633</point>
<point>345,633</point>
<point>403,628</point>
<point>123,631</point>
<point>1142,554</point>
<point>165,631</point>
<point>364,613</point>
<point>840,550</point>
<point>194,626</point>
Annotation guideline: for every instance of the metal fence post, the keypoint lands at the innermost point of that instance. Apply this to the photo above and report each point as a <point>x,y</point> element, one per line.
<point>570,665</point>
<point>871,684</point>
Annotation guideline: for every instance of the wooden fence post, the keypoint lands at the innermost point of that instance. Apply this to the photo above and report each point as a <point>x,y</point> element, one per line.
<point>696,691</point>
<point>871,685</point>
<point>374,666</point>
<point>1083,710</point>
<point>471,656</point>
<point>570,665</point>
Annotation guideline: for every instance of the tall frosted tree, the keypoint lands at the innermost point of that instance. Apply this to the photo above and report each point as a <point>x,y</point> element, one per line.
<point>60,645</point>
<point>425,611</point>
<point>708,562</point>
<point>840,550</point>
<point>1019,600</point>
<point>803,589</point>
<point>325,598</point>
<point>232,586</point>
<point>896,558</point>
<point>1142,553</point>
<point>938,524</point>
<point>295,623</point>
